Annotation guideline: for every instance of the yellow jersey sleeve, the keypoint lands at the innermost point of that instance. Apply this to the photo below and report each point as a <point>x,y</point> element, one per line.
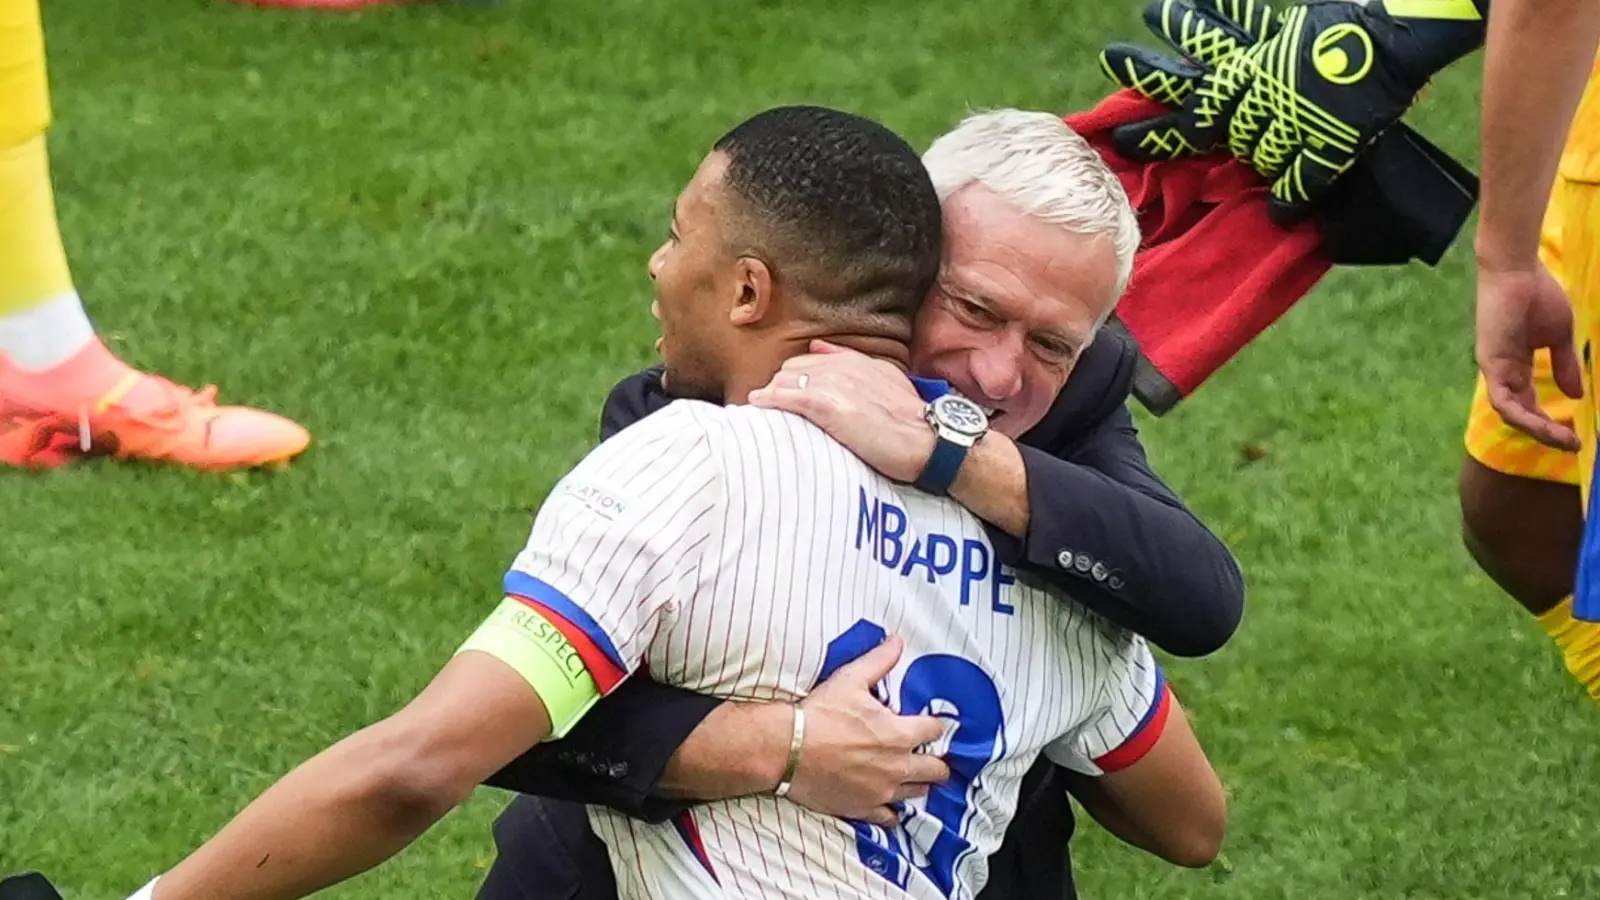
<point>1580,161</point>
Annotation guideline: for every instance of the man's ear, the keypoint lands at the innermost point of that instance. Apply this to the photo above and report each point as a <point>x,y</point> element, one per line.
<point>754,302</point>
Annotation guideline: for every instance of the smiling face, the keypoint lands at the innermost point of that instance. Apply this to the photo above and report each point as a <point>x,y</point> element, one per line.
<point>1017,301</point>
<point>802,222</point>
<point>697,280</point>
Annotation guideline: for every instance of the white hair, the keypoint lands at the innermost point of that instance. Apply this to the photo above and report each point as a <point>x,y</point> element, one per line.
<point>1033,161</point>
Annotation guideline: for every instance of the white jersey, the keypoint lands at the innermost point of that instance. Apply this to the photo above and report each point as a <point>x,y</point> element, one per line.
<point>743,553</point>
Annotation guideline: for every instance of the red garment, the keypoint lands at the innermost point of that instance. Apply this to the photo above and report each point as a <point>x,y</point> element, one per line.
<point>1212,271</point>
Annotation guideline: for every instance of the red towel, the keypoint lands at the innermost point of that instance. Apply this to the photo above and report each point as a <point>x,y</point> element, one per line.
<point>1212,271</point>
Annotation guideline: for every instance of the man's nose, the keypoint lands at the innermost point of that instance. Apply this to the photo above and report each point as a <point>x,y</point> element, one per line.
<point>997,368</point>
<point>656,260</point>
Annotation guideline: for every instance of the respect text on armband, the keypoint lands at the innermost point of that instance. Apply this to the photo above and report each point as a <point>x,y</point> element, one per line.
<point>546,638</point>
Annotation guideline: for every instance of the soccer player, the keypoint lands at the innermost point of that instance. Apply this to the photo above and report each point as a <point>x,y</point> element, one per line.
<point>742,552</point>
<point>1300,95</point>
<point>63,394</point>
<point>1036,228</point>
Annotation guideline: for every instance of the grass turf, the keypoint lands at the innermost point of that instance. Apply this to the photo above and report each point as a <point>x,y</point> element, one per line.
<point>422,231</point>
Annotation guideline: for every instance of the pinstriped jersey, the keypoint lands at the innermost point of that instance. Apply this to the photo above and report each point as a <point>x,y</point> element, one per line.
<point>743,553</point>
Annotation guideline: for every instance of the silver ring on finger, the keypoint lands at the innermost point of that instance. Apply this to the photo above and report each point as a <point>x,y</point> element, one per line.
<point>802,381</point>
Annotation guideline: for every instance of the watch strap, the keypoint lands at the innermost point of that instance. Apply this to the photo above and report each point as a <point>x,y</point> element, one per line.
<point>939,473</point>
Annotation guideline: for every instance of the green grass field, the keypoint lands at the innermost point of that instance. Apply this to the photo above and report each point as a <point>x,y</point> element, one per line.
<point>422,232</point>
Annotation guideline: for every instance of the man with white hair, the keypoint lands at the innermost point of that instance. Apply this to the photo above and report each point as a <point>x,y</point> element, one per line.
<point>1039,242</point>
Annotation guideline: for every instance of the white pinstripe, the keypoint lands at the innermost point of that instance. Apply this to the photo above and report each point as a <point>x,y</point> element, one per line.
<point>733,565</point>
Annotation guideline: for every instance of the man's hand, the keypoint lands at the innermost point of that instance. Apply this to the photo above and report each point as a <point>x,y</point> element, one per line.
<point>867,405</point>
<point>1539,57</point>
<point>1298,95</point>
<point>1522,309</point>
<point>859,757</point>
<point>871,408</point>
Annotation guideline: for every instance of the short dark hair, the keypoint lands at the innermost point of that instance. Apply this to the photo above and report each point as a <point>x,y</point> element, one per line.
<point>840,206</point>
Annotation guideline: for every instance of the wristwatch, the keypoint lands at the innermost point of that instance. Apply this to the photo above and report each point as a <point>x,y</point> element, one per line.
<point>957,424</point>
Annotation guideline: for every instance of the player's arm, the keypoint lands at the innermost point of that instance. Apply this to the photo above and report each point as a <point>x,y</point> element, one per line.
<point>1169,803</point>
<point>573,623</point>
<point>1538,58</point>
<point>1139,769</point>
<point>846,754</point>
<point>365,798</point>
<point>1106,528</point>
<point>652,750</point>
<point>649,750</point>
<point>1088,515</point>
<point>617,755</point>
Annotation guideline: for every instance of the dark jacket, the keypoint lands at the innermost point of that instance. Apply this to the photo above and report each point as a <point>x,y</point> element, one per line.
<point>1102,525</point>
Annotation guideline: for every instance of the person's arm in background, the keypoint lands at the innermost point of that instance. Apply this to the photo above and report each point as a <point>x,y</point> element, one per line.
<point>1539,55</point>
<point>1169,804</point>
<point>1142,773</point>
<point>1104,526</point>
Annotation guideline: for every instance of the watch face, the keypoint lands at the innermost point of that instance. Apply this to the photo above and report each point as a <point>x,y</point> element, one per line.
<point>961,415</point>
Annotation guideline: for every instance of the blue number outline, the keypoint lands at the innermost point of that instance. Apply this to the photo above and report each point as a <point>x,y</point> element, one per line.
<point>979,739</point>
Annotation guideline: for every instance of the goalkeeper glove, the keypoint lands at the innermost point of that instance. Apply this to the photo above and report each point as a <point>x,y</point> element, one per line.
<point>1297,95</point>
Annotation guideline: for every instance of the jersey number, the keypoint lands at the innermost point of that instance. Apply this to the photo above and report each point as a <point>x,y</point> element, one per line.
<point>932,684</point>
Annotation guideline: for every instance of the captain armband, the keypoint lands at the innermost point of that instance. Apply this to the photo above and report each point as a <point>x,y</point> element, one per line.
<point>524,639</point>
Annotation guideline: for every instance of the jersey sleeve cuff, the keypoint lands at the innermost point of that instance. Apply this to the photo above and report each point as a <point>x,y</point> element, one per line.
<point>1143,737</point>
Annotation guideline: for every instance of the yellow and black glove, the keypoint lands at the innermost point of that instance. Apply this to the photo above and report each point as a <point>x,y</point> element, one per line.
<point>1298,94</point>
<point>1205,33</point>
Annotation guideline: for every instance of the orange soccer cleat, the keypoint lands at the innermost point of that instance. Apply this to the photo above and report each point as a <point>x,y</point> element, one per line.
<point>95,405</point>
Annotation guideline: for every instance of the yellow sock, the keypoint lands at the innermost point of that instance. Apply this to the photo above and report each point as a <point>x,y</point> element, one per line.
<point>1579,643</point>
<point>33,264</point>
<point>24,86</point>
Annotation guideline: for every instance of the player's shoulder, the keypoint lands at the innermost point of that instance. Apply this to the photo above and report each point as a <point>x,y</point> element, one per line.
<point>683,418</point>
<point>679,437</point>
<point>1083,627</point>
<point>1119,650</point>
<point>651,459</point>
<point>725,437</point>
<point>760,419</point>
<point>742,425</point>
